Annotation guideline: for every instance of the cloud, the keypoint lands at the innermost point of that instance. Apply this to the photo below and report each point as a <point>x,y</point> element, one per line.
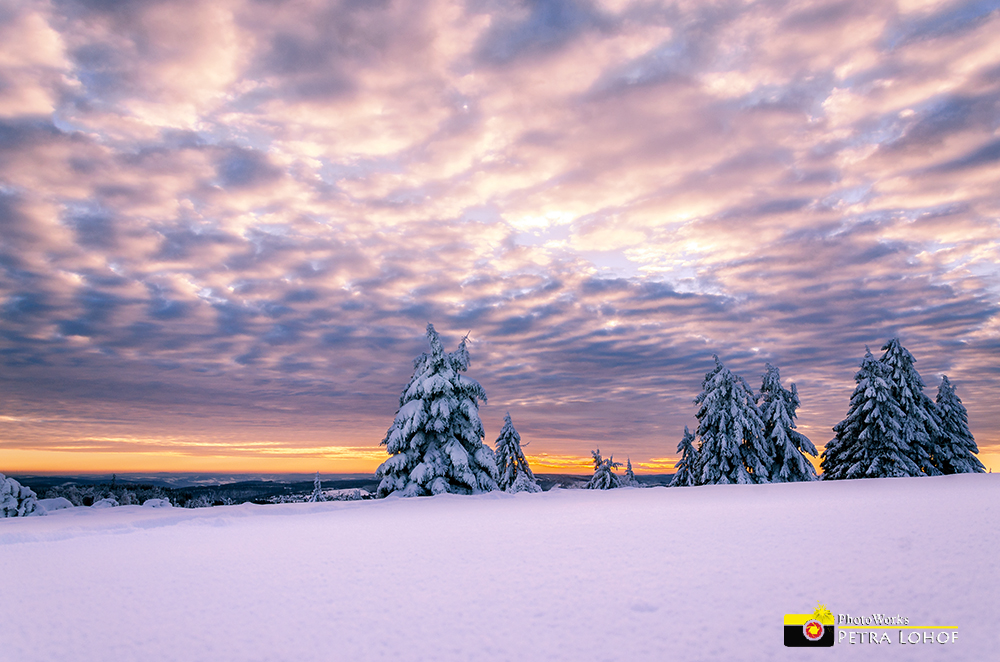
<point>952,20</point>
<point>537,27</point>
<point>239,216</point>
<point>984,155</point>
<point>245,168</point>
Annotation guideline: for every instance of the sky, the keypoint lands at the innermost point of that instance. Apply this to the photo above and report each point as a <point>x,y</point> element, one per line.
<point>225,224</point>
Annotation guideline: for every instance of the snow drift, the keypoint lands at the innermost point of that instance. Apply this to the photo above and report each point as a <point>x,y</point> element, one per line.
<point>698,573</point>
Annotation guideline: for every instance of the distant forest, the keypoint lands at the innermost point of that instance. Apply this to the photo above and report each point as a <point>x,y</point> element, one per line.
<point>83,492</point>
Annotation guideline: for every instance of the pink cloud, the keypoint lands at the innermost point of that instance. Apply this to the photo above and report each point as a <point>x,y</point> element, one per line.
<point>264,203</point>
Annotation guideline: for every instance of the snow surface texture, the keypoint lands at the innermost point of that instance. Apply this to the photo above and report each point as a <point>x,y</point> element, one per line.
<point>694,573</point>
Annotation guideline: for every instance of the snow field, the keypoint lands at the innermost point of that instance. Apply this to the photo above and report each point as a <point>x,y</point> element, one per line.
<point>703,573</point>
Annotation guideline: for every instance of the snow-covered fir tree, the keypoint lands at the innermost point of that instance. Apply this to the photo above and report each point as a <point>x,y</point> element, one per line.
<point>16,500</point>
<point>956,447</point>
<point>777,408</point>
<point>629,479</point>
<point>687,467</point>
<point>512,467</point>
<point>604,477</point>
<point>436,438</point>
<point>732,448</point>
<point>524,484</point>
<point>317,493</point>
<point>869,442</point>
<point>919,427</point>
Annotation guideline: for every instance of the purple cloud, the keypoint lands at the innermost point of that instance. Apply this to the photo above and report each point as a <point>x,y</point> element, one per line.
<point>238,216</point>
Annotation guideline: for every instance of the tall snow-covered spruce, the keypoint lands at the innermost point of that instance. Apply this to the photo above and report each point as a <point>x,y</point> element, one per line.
<point>732,449</point>
<point>514,473</point>
<point>436,438</point>
<point>604,477</point>
<point>919,427</point>
<point>956,447</point>
<point>869,441</point>
<point>687,467</point>
<point>777,408</point>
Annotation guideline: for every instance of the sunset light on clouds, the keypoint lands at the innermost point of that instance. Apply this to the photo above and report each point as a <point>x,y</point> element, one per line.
<point>224,225</point>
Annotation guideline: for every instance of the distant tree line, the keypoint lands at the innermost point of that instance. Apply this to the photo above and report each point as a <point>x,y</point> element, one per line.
<point>19,500</point>
<point>258,491</point>
<point>121,494</point>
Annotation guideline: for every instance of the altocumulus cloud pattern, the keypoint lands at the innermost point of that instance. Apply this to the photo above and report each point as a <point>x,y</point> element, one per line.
<point>224,224</point>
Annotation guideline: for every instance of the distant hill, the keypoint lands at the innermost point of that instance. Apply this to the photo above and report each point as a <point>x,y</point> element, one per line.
<point>168,479</point>
<point>224,489</point>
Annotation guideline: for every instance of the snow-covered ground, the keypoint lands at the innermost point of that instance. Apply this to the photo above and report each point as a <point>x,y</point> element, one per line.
<point>702,573</point>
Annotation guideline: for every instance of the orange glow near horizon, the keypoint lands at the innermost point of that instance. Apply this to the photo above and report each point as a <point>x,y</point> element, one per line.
<point>301,460</point>
<point>353,460</point>
<point>656,465</point>
<point>990,459</point>
<point>83,462</point>
<point>173,455</point>
<point>563,464</point>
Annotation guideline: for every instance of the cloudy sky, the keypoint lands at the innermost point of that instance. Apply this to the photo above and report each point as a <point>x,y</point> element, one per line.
<point>225,224</point>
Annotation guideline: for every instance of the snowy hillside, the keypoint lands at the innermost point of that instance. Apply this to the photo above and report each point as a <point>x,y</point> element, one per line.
<point>702,573</point>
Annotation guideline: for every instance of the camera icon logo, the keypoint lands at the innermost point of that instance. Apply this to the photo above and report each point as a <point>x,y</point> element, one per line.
<point>810,630</point>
